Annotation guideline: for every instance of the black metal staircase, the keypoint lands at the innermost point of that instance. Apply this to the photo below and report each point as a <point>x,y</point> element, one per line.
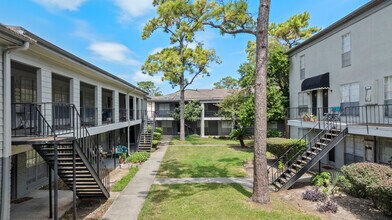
<point>146,135</point>
<point>308,151</point>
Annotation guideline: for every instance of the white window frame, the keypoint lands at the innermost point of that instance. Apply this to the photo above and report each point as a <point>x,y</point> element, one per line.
<point>346,50</point>
<point>350,99</point>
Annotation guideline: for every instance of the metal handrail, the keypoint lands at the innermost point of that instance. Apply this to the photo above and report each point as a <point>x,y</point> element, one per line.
<point>327,125</point>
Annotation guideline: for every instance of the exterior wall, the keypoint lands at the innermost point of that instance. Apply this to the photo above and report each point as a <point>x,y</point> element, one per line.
<point>1,125</point>
<point>370,56</point>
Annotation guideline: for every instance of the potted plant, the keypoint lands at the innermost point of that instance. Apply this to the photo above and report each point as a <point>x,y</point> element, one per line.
<point>309,117</point>
<point>122,158</point>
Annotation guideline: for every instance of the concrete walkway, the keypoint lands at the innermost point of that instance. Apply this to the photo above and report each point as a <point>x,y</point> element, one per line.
<point>130,201</point>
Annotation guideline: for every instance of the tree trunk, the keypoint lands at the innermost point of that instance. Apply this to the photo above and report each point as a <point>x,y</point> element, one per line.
<point>182,108</point>
<point>260,180</point>
<point>242,143</point>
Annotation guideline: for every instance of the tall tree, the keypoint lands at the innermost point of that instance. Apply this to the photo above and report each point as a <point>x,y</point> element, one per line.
<point>149,87</point>
<point>233,17</point>
<point>294,30</point>
<point>227,82</point>
<point>181,19</point>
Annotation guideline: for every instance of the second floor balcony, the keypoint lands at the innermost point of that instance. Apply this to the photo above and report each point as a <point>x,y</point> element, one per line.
<point>164,113</point>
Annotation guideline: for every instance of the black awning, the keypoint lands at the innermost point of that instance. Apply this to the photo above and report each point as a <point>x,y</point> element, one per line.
<point>316,82</point>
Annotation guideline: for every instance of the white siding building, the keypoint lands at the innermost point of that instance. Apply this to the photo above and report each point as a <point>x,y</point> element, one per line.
<point>47,95</point>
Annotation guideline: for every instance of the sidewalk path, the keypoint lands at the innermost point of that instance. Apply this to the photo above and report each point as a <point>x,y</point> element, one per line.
<point>131,199</point>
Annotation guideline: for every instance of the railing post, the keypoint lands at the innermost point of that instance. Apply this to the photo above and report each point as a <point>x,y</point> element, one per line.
<point>74,179</point>
<point>50,193</point>
<point>55,175</point>
<point>367,124</point>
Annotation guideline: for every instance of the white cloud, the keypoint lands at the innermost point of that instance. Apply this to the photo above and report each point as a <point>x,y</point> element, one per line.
<point>133,8</point>
<point>139,76</point>
<point>156,50</point>
<point>71,5</point>
<point>113,52</point>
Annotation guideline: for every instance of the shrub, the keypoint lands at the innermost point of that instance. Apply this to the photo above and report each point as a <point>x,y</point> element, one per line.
<point>370,180</point>
<point>328,206</point>
<point>279,146</point>
<point>159,130</point>
<point>322,179</point>
<point>138,157</point>
<point>314,195</point>
<point>274,133</point>
<point>157,136</point>
<point>155,143</point>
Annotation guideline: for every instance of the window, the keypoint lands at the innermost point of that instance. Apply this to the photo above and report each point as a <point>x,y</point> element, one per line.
<point>354,149</point>
<point>350,99</point>
<point>166,124</point>
<point>385,151</point>
<point>346,50</point>
<point>35,167</point>
<point>388,96</point>
<point>303,103</point>
<point>164,107</point>
<point>302,67</point>
<point>226,124</point>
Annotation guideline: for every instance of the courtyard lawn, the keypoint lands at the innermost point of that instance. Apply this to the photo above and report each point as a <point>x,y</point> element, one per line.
<point>212,201</point>
<point>197,140</point>
<point>204,161</point>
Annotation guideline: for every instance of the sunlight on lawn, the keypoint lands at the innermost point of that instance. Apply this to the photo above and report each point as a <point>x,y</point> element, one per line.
<point>212,201</point>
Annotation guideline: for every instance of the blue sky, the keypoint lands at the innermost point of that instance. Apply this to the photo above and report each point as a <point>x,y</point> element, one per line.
<point>107,33</point>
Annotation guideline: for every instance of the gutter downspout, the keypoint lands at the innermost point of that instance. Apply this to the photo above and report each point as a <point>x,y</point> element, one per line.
<point>6,172</point>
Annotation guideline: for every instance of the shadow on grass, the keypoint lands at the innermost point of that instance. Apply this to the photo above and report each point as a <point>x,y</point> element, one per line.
<point>177,191</point>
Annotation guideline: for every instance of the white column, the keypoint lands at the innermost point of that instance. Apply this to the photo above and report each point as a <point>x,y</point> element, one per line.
<point>134,108</point>
<point>116,106</point>
<point>202,128</point>
<point>44,92</point>
<point>98,104</point>
<point>127,106</point>
<point>75,93</point>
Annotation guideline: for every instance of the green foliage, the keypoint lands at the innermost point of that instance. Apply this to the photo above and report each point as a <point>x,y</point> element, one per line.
<point>227,82</point>
<point>159,130</point>
<point>155,143</point>
<point>370,180</point>
<point>123,182</point>
<point>322,179</point>
<point>279,146</point>
<point>239,134</point>
<point>157,136</point>
<point>274,133</point>
<point>192,112</point>
<point>138,157</point>
<point>150,88</point>
<point>294,30</point>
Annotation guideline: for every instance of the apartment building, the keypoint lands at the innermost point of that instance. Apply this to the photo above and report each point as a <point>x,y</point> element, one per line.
<point>341,95</point>
<point>58,115</point>
<point>210,123</point>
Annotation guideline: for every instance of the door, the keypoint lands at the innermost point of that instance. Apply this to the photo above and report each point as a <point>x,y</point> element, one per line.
<point>325,101</point>
<point>14,165</point>
<point>314,102</point>
<point>369,153</point>
<point>331,155</point>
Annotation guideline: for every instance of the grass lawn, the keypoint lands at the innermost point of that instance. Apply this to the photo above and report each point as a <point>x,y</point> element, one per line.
<point>212,201</point>
<point>123,182</point>
<point>204,161</point>
<point>197,140</point>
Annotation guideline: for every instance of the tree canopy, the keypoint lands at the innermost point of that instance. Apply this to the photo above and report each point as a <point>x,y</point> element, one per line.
<point>192,112</point>
<point>149,87</point>
<point>227,82</point>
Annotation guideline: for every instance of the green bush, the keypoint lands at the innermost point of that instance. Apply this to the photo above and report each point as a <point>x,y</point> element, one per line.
<point>157,136</point>
<point>159,130</point>
<point>155,143</point>
<point>279,146</point>
<point>274,133</point>
<point>138,157</point>
<point>322,179</point>
<point>370,180</point>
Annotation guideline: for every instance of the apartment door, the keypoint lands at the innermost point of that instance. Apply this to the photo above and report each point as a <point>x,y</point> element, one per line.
<point>325,101</point>
<point>314,102</point>
<point>369,153</point>
<point>14,165</point>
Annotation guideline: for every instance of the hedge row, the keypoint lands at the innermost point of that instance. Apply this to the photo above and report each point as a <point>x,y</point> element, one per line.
<point>370,180</point>
<point>279,146</point>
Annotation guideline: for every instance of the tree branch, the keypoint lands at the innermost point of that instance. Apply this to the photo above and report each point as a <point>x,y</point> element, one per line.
<point>236,31</point>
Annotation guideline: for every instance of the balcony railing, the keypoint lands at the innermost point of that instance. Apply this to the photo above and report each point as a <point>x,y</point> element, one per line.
<point>123,114</point>
<point>211,114</point>
<point>131,114</point>
<point>370,115</point>
<point>88,116</point>
<point>107,115</point>
<point>164,113</point>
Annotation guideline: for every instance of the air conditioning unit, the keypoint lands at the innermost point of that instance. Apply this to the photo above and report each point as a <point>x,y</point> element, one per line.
<point>370,92</point>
